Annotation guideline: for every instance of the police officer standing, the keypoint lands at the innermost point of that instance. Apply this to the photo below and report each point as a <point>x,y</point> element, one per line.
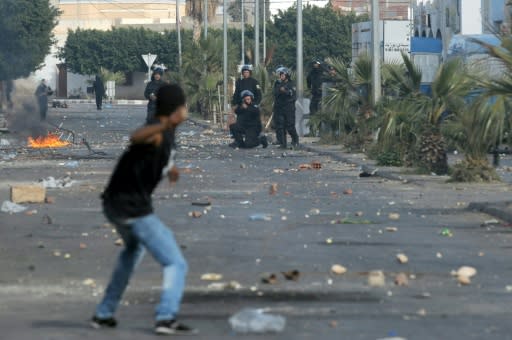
<point>314,82</point>
<point>246,82</point>
<point>150,92</point>
<point>285,94</point>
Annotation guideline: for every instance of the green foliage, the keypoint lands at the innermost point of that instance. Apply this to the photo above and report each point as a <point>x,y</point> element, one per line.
<point>327,33</point>
<point>26,36</point>
<point>347,109</point>
<point>390,158</point>
<point>117,50</point>
<point>118,77</point>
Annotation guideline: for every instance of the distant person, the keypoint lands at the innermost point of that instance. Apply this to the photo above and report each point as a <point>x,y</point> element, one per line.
<point>285,94</point>
<point>99,91</point>
<point>314,81</point>
<point>151,90</point>
<point>246,82</point>
<point>247,129</point>
<point>42,93</point>
<point>127,204</point>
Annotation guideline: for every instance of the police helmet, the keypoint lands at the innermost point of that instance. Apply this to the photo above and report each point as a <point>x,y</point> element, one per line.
<point>247,68</point>
<point>283,70</point>
<point>246,93</point>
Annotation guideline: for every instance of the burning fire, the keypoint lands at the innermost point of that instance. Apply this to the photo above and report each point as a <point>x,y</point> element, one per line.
<point>49,141</point>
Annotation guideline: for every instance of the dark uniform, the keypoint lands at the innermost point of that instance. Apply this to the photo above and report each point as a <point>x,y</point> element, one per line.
<point>151,89</point>
<point>42,93</point>
<point>99,91</point>
<point>284,110</point>
<point>249,84</point>
<point>246,84</point>
<point>248,125</point>
<point>314,81</point>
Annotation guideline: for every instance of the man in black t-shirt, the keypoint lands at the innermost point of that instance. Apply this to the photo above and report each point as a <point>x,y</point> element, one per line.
<point>127,204</point>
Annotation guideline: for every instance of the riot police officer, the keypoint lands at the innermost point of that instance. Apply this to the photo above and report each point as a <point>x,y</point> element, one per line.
<point>248,124</point>
<point>246,82</point>
<point>285,94</point>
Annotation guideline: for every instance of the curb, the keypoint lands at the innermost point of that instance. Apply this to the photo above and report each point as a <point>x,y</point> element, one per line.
<point>364,167</point>
<point>92,101</point>
<point>496,209</point>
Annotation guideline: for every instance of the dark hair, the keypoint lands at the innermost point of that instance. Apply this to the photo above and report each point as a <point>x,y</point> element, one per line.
<point>168,99</point>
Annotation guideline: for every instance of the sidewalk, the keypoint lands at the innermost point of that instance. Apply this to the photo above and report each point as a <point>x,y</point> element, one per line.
<point>500,208</point>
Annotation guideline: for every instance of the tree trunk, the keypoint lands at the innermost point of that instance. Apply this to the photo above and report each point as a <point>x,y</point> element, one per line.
<point>196,30</point>
<point>432,153</point>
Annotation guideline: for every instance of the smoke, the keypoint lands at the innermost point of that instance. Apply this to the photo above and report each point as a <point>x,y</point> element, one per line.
<point>24,120</point>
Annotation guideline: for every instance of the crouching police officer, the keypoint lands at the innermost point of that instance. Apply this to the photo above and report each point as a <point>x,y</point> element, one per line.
<point>247,129</point>
<point>285,94</point>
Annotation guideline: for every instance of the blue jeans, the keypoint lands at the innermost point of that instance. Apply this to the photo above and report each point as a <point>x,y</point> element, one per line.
<point>138,234</point>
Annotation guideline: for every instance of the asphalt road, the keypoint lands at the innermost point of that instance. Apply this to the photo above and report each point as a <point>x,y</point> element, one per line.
<point>312,226</point>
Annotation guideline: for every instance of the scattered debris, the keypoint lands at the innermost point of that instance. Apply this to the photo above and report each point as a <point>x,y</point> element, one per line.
<point>28,193</point>
<point>4,142</point>
<point>333,323</point>
<point>46,219</point>
<point>328,240</point>
<point>195,214</point>
<point>314,211</point>
<point>260,217</point>
<point>31,212</point>
<point>439,255</point>
<point>338,269</point>
<point>202,203</point>
<point>391,229</point>
<point>119,242</point>
<point>273,189</point>
<point>211,277</point>
<point>292,275</point>
<point>422,312</point>
<point>256,321</point>
<point>490,222</point>
<point>394,216</point>
<point>368,174</point>
<point>278,171</point>
<point>12,208</point>
<point>245,202</point>
<point>402,258</point>
<point>49,200</point>
<point>83,246</point>
<point>401,279</point>
<point>52,183</point>
<point>348,220</point>
<point>317,165</point>
<point>464,274</point>
<point>358,213</point>
<point>347,192</point>
<point>376,278</point>
<point>304,166</point>
<point>57,253</point>
<point>270,279</point>
<point>89,282</point>
<point>446,232</point>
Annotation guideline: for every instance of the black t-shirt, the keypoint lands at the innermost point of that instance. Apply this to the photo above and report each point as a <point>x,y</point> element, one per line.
<point>136,176</point>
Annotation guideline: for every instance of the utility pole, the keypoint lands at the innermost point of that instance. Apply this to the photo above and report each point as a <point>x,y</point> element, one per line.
<point>178,30</point>
<point>300,66</point>
<point>205,19</point>
<point>300,61</point>
<point>376,80</point>
<point>225,57</point>
<point>264,30</point>
<point>257,33</point>
<point>243,31</point>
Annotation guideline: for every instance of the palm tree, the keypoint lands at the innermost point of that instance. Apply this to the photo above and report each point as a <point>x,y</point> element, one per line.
<point>195,9</point>
<point>347,107</point>
<point>474,131</point>
<point>424,114</point>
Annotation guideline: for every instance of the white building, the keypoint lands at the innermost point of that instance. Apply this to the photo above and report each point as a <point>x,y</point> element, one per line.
<point>442,19</point>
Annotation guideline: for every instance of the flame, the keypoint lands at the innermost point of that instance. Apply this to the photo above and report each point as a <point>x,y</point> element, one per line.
<point>49,141</point>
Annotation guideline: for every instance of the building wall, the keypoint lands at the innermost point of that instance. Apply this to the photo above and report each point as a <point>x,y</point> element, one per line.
<point>389,9</point>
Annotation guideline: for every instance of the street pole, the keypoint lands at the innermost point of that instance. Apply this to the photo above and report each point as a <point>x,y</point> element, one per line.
<point>376,80</point>
<point>300,61</point>
<point>225,57</point>
<point>257,33</point>
<point>264,30</point>
<point>243,32</point>
<point>178,29</point>
<point>205,19</point>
